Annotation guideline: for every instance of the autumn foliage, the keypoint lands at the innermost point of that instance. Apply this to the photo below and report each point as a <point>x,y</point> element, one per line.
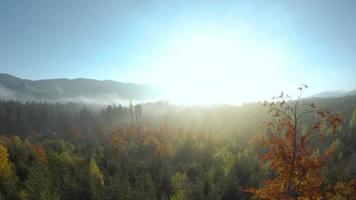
<point>4,161</point>
<point>179,153</point>
<point>291,151</point>
<point>40,152</point>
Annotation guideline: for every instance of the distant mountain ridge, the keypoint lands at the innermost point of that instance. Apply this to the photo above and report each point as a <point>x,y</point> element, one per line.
<point>335,93</point>
<point>91,90</point>
<point>81,89</point>
<point>353,92</point>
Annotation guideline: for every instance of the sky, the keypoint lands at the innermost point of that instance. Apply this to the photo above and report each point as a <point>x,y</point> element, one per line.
<point>199,51</point>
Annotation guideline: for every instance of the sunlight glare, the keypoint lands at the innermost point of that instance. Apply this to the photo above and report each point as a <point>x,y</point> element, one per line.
<point>213,69</point>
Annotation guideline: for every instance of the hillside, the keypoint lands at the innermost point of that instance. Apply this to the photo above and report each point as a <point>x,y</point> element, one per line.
<point>83,90</point>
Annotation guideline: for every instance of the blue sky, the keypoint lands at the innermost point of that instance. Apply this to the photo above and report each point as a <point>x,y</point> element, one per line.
<point>132,41</point>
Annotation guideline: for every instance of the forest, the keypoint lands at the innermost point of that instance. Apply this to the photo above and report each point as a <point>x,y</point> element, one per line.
<point>163,151</point>
<point>174,100</point>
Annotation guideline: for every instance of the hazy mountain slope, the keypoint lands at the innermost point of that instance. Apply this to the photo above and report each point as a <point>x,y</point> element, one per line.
<point>335,93</point>
<point>352,92</point>
<point>15,88</point>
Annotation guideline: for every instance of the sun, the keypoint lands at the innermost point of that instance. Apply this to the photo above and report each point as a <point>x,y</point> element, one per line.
<point>217,68</point>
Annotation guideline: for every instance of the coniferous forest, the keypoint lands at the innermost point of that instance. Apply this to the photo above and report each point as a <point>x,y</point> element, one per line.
<point>163,151</point>
<point>173,100</point>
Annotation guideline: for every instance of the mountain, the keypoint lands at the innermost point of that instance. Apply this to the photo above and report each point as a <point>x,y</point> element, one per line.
<point>83,90</point>
<point>335,93</point>
<point>353,92</point>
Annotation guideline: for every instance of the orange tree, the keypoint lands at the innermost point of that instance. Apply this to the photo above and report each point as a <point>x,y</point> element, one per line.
<point>289,149</point>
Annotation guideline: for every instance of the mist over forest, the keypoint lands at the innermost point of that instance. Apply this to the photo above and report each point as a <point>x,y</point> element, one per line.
<point>177,100</point>
<point>155,150</point>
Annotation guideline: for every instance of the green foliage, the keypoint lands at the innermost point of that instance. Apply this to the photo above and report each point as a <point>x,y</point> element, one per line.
<point>96,179</point>
<point>147,151</point>
<point>7,177</point>
<point>181,186</point>
<point>118,188</point>
<point>39,184</point>
<point>353,119</point>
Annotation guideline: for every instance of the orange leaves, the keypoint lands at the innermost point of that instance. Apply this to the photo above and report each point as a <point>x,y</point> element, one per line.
<point>121,138</point>
<point>164,151</point>
<point>40,152</point>
<point>160,150</point>
<point>335,121</point>
<point>332,120</point>
<point>152,142</point>
<point>344,191</point>
<point>119,143</point>
<point>289,153</point>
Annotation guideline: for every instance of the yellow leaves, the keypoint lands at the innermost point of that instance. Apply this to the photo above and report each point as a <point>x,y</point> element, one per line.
<point>15,140</point>
<point>23,195</point>
<point>95,173</point>
<point>5,165</point>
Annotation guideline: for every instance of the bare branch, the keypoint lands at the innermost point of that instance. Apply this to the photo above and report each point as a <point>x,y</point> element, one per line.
<point>282,111</point>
